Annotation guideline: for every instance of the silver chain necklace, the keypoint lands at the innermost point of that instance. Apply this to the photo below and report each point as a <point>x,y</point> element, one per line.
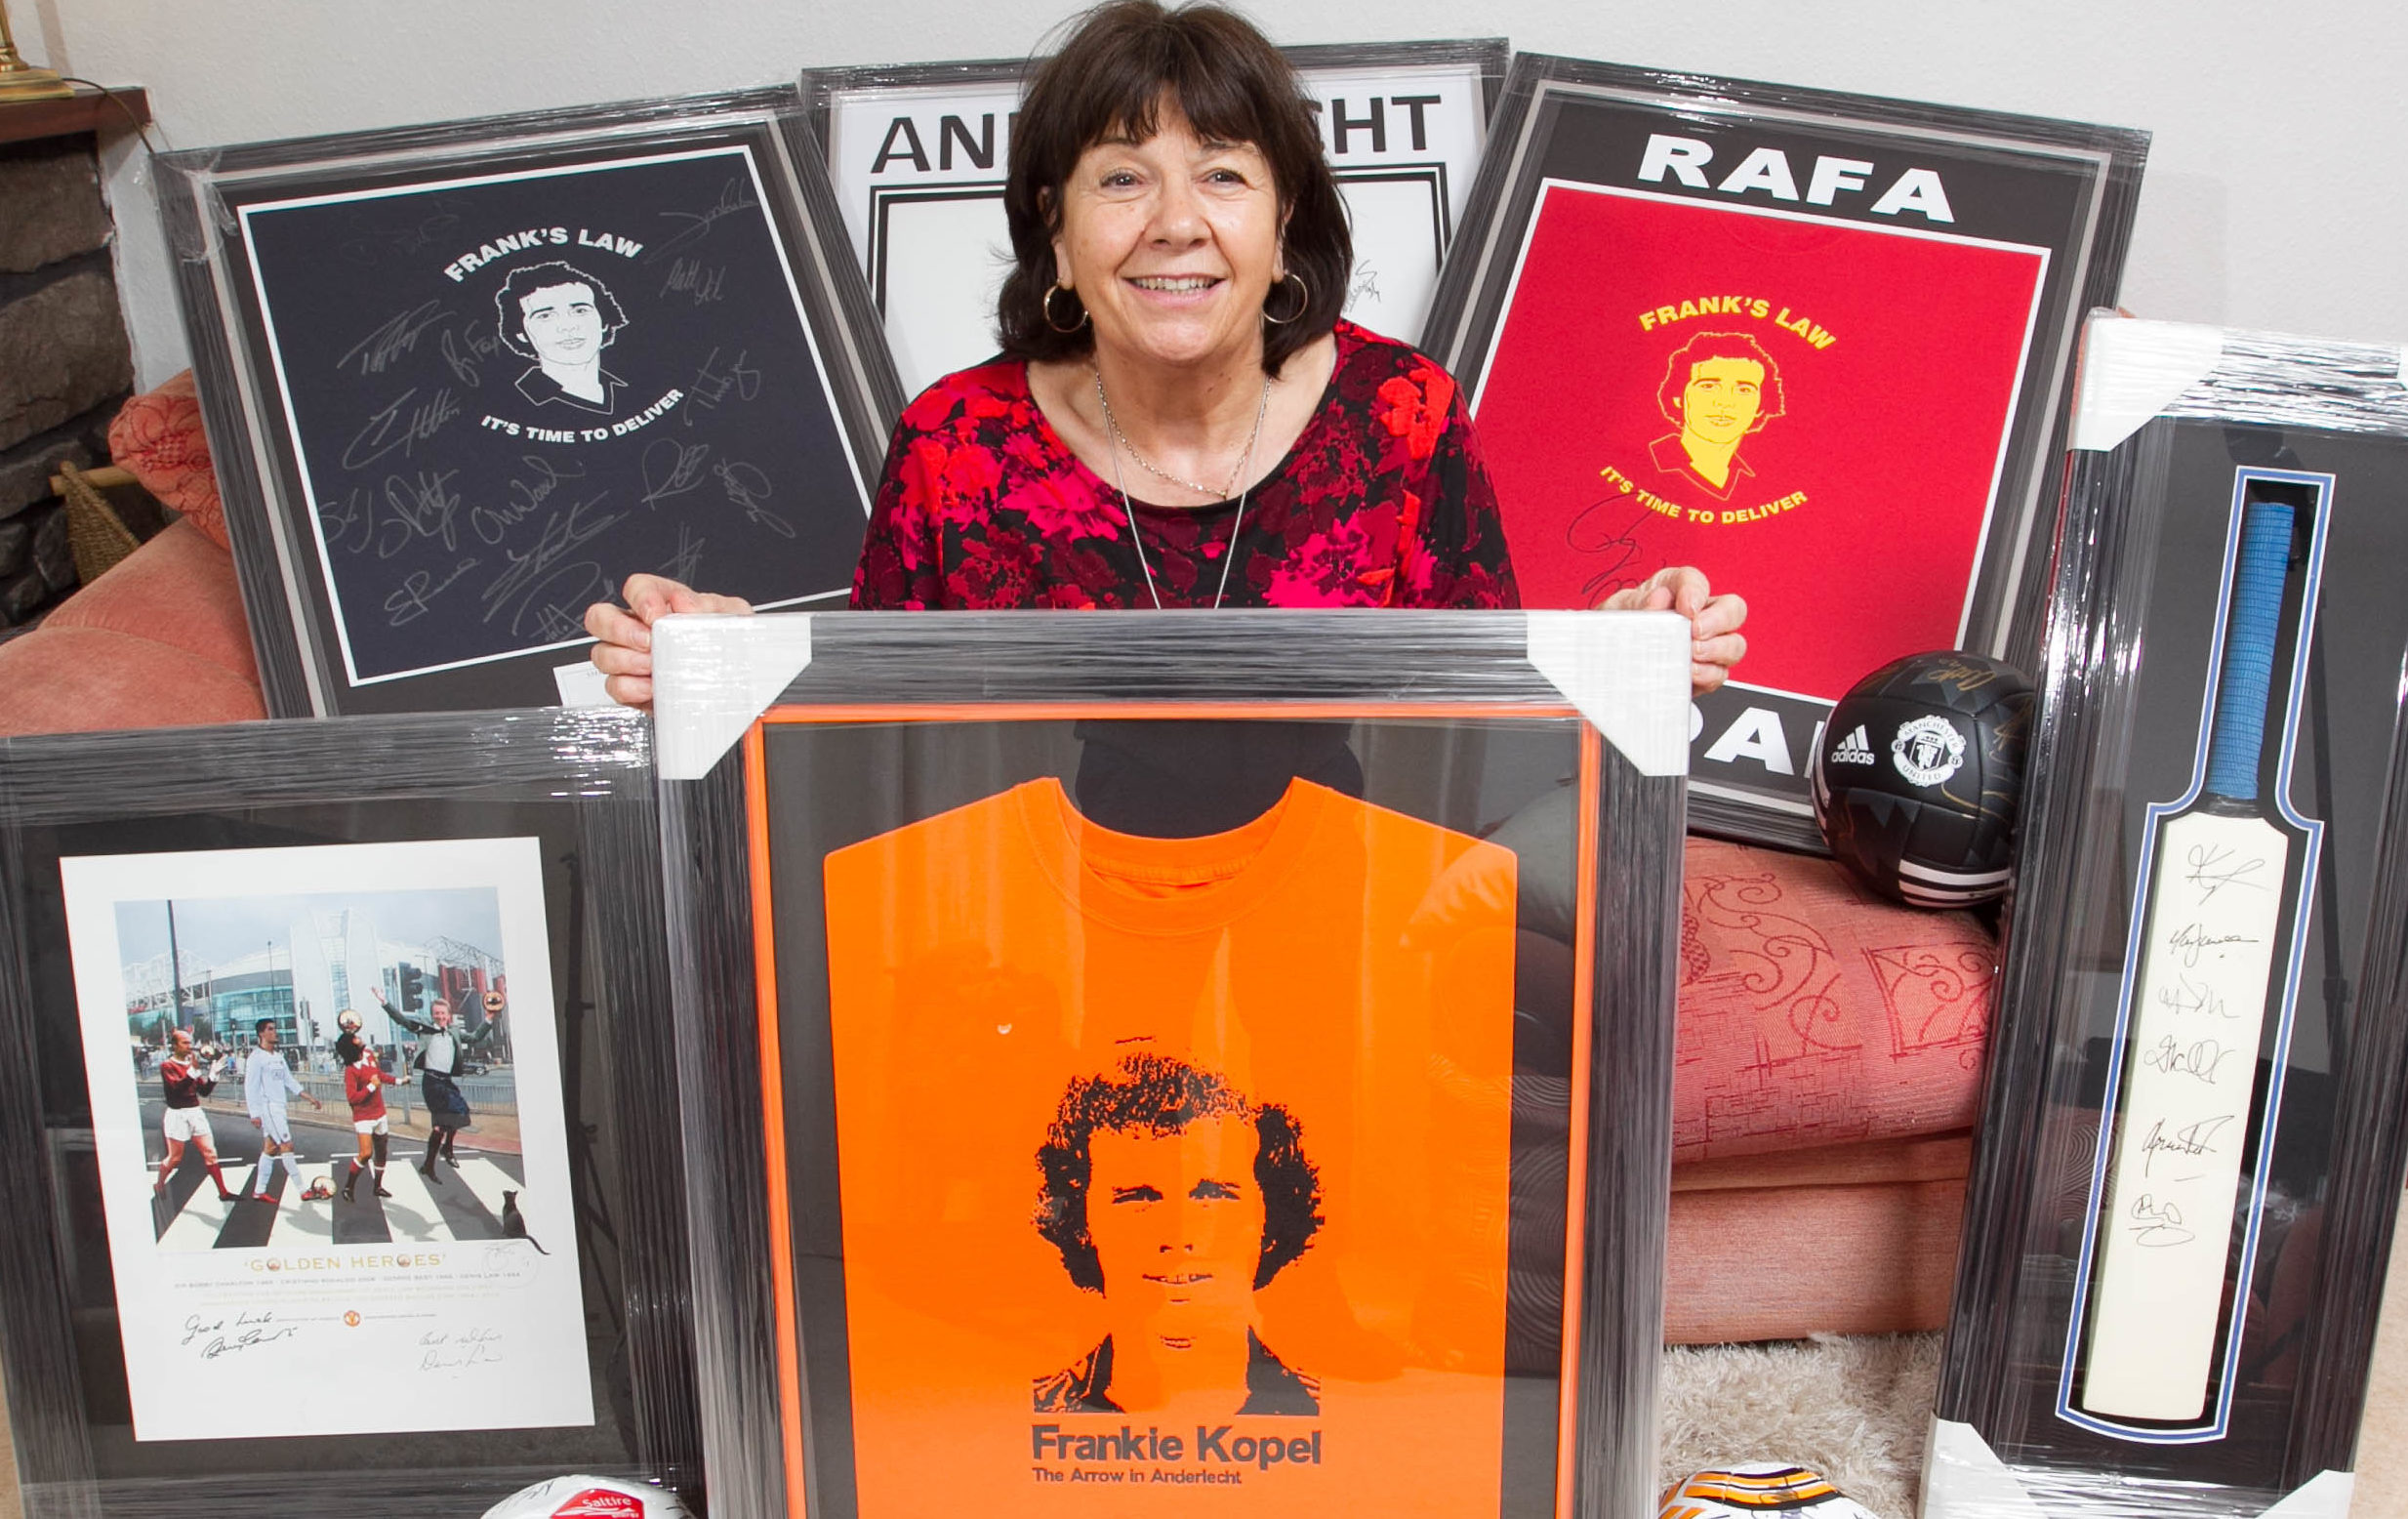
<point>1112,424</point>
<point>1245,467</point>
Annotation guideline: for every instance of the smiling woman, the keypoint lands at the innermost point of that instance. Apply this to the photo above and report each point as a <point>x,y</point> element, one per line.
<point>1179,417</point>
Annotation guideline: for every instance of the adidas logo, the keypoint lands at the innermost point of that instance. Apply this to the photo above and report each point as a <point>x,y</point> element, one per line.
<point>1855,749</point>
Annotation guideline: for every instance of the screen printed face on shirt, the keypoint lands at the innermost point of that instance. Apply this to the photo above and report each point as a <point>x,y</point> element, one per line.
<point>1181,1162</point>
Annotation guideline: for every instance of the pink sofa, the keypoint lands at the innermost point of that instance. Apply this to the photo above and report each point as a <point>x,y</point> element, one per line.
<point>159,640</point>
<point>1827,1069</point>
<point>1829,1047</point>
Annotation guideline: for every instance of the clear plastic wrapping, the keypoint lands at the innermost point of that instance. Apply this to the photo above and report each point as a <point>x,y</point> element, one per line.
<point>2191,1147</point>
<point>918,153</point>
<point>449,927</point>
<point>1187,1050</point>
<point>462,379</point>
<point>1684,309</point>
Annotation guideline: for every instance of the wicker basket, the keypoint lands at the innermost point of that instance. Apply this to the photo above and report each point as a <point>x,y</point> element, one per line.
<point>100,540</point>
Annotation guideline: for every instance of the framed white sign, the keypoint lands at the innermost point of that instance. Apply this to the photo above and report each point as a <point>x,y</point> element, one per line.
<point>919,155</point>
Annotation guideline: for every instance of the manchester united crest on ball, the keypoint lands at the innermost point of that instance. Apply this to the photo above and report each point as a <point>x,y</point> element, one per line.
<point>1927,750</point>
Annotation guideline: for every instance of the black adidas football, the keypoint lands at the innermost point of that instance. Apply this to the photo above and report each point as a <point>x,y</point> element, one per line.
<point>1918,774</point>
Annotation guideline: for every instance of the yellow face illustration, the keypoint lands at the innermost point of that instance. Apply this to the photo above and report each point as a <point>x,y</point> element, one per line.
<point>1177,1221</point>
<point>1722,398</point>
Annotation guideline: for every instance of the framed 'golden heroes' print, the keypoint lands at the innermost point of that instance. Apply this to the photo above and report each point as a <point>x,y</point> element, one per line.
<point>1182,1098</point>
<point>336,1147</point>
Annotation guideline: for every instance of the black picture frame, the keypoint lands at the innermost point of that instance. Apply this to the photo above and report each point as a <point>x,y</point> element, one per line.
<point>574,787</point>
<point>1406,163</point>
<point>416,530</point>
<point>904,717</point>
<point>1957,250</point>
<point>2179,435</point>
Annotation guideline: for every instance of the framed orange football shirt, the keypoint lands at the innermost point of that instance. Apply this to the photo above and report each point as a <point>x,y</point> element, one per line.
<point>1332,982</point>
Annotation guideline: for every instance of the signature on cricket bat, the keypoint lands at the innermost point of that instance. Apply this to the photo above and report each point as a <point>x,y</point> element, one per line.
<point>2177,1170</point>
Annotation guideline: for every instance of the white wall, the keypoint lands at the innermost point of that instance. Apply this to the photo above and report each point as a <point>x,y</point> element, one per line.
<point>2271,201</point>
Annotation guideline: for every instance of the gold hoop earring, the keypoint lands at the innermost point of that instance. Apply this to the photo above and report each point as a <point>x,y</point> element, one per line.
<point>1047,308</point>
<point>1304,297</point>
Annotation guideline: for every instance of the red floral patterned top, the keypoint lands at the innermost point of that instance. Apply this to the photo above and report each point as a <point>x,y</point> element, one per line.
<point>1382,501</point>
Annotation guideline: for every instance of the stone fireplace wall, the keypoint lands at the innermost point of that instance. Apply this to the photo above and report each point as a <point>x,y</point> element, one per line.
<point>64,365</point>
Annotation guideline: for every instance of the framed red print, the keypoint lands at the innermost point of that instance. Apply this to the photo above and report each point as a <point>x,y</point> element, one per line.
<point>1815,345</point>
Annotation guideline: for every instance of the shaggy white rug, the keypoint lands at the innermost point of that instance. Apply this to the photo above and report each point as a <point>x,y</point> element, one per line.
<point>1852,1407</point>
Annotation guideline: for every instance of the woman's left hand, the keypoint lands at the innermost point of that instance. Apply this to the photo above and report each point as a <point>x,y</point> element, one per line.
<point>1715,641</point>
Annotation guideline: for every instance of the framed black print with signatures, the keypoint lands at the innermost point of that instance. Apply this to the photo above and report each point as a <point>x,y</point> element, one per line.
<point>461,380</point>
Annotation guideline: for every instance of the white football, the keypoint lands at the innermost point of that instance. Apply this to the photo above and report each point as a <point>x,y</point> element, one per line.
<point>589,1498</point>
<point>1758,1489</point>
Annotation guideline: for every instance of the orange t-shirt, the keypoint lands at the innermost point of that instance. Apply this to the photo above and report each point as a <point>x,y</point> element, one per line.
<point>1351,966</point>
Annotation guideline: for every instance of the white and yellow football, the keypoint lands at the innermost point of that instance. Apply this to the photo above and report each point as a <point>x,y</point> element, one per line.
<point>1758,1489</point>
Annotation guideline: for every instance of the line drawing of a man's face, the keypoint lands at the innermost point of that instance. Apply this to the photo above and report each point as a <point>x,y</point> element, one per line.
<point>1718,388</point>
<point>1177,1223</point>
<point>1175,1197</point>
<point>1721,400</point>
<point>562,318</point>
<point>562,324</point>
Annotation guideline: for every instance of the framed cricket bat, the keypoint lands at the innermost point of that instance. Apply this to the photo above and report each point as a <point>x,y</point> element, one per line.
<point>1183,1082</point>
<point>2183,1193</point>
<point>463,380</point>
<point>337,1113</point>
<point>918,153</point>
<point>2212,966</point>
<point>1801,340</point>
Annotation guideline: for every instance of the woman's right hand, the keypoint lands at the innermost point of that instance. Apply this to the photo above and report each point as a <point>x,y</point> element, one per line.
<point>623,650</point>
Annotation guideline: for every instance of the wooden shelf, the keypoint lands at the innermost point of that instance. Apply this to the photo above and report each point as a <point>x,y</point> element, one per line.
<point>86,110</point>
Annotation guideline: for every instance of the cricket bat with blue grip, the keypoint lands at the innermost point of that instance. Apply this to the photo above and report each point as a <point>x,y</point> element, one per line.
<point>2214,940</point>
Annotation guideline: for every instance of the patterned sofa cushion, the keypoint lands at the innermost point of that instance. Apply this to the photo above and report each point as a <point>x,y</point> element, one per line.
<point>1813,1012</point>
<point>157,436</point>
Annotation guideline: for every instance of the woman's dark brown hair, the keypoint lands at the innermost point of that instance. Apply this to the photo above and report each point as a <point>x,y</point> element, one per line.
<point>1125,62</point>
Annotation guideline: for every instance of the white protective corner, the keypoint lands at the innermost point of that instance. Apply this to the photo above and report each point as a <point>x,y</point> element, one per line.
<point>1963,1478</point>
<point>713,673</point>
<point>2324,1495</point>
<point>2132,370</point>
<point>1627,673</point>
